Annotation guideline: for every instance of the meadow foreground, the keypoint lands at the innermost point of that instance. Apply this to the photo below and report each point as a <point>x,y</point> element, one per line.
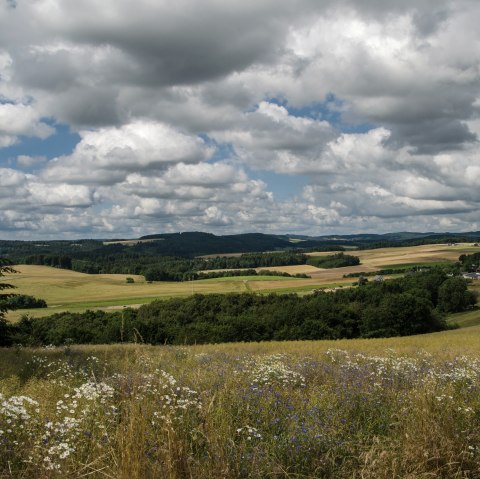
<point>388,408</point>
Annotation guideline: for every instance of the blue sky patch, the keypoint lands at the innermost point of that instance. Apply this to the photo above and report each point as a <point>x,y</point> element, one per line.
<point>61,143</point>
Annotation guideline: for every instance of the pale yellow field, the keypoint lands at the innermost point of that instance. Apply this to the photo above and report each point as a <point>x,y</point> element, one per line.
<point>294,269</point>
<point>410,254</point>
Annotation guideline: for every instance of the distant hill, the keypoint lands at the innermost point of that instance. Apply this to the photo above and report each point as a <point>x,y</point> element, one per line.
<point>190,244</point>
<point>198,243</point>
<point>403,238</point>
<point>400,236</point>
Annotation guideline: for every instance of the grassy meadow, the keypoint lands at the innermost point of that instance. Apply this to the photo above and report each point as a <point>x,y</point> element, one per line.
<point>66,290</point>
<point>372,409</point>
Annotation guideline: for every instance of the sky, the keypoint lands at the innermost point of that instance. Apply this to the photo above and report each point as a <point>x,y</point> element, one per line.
<point>120,118</point>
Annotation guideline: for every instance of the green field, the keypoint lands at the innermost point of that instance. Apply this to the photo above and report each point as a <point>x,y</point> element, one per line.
<point>466,319</point>
<point>229,279</point>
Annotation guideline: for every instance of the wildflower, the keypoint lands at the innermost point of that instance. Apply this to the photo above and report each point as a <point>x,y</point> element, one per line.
<point>249,433</point>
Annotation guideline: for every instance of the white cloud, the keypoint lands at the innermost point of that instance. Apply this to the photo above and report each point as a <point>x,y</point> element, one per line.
<point>107,155</point>
<point>11,178</point>
<point>62,195</point>
<point>269,138</point>
<point>17,119</point>
<point>204,174</point>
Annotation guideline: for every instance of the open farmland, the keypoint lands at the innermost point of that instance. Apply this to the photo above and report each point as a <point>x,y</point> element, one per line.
<point>384,257</point>
<point>67,290</point>
<point>373,409</point>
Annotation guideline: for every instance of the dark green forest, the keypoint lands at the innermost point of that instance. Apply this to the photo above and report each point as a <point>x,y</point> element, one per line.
<point>339,260</point>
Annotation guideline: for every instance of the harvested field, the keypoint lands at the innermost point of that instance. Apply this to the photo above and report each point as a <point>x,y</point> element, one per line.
<point>419,254</point>
<point>294,269</point>
<point>334,273</point>
<point>410,254</point>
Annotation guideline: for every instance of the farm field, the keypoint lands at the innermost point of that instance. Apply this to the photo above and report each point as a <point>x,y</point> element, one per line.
<point>382,257</point>
<point>373,409</point>
<point>68,290</point>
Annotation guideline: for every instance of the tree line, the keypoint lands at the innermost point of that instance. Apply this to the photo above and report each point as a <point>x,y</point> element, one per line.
<point>339,260</point>
<point>22,301</point>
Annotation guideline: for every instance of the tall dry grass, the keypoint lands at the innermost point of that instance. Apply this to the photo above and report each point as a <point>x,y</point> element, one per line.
<point>397,408</point>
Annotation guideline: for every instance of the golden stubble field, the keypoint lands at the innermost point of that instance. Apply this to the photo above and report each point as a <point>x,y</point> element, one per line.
<point>410,254</point>
<point>69,290</point>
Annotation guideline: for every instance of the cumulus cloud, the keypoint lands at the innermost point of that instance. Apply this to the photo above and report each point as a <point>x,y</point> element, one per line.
<point>177,47</point>
<point>208,182</point>
<point>361,174</point>
<point>107,155</point>
<point>18,119</point>
<point>271,138</point>
<point>422,86</point>
<point>11,178</point>
<point>62,195</point>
